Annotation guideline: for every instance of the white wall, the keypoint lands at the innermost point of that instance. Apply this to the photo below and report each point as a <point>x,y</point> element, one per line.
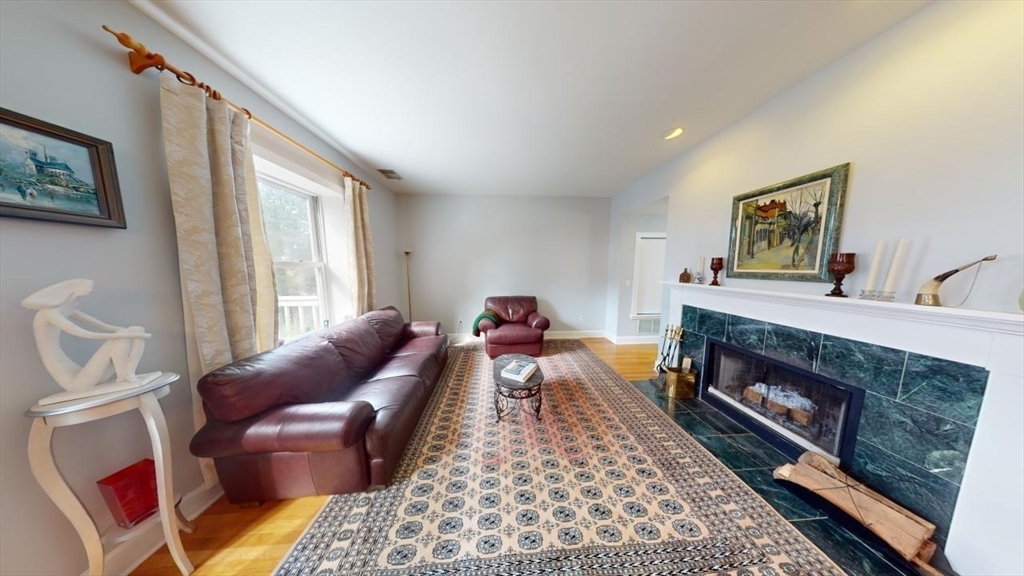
<point>465,248</point>
<point>625,245</point>
<point>622,216</point>
<point>387,254</point>
<point>930,114</point>
<point>56,64</point>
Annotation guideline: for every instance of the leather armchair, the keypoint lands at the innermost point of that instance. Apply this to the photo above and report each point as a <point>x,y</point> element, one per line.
<point>521,329</point>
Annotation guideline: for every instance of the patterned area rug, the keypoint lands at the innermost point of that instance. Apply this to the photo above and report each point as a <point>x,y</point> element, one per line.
<point>604,484</point>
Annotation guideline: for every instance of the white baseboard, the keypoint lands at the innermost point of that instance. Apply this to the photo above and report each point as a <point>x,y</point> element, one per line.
<point>456,337</point>
<point>127,556</point>
<point>636,339</point>
<point>573,334</point>
<point>548,335</point>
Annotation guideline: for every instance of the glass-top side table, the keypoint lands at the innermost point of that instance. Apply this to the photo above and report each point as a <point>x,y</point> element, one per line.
<point>40,456</point>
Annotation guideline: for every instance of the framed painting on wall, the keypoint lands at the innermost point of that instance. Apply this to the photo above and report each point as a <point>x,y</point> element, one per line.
<point>51,173</point>
<point>788,230</point>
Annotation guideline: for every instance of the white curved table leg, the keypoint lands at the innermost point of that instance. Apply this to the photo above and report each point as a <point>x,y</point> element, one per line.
<point>40,459</point>
<point>157,426</point>
<point>183,523</point>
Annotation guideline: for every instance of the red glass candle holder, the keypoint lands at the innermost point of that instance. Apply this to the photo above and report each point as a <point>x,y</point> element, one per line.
<point>839,265</point>
<point>717,264</point>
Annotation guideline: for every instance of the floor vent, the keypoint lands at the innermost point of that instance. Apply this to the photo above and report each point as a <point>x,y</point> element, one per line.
<point>649,326</point>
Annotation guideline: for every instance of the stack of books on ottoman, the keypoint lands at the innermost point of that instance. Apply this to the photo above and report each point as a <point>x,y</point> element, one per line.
<point>519,371</point>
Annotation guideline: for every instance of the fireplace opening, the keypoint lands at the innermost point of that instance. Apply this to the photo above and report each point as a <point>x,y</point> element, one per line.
<point>793,409</point>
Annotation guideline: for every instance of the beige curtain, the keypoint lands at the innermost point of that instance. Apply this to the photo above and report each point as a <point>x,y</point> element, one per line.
<point>227,278</point>
<point>360,257</point>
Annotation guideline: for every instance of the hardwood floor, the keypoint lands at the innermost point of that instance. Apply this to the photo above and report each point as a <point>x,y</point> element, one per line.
<point>631,361</point>
<point>233,540</point>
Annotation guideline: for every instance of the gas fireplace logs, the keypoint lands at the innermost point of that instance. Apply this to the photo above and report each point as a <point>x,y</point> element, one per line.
<point>907,533</point>
<point>777,407</point>
<point>801,417</point>
<point>782,402</point>
<point>753,395</point>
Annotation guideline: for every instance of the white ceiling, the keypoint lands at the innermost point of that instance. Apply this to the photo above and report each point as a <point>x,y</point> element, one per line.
<point>536,98</point>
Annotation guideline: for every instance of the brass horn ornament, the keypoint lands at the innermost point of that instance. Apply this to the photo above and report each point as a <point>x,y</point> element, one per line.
<point>928,294</point>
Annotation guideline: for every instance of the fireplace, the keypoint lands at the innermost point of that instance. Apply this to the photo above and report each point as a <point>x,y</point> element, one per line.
<point>793,409</point>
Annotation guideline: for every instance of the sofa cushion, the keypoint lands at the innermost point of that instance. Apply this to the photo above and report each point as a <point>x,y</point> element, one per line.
<point>388,324</point>
<point>358,344</point>
<point>512,308</point>
<point>423,365</point>
<point>387,392</point>
<point>436,345</point>
<point>514,334</point>
<point>319,427</point>
<point>422,329</point>
<point>387,439</point>
<point>399,403</point>
<point>305,371</point>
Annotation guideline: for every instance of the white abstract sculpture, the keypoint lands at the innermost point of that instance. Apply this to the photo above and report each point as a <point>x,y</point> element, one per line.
<point>118,356</point>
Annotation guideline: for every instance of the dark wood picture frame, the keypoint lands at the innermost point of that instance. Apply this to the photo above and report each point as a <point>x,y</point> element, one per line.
<point>104,175</point>
<point>820,216</point>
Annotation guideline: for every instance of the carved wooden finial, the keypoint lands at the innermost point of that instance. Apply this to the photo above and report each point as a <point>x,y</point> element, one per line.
<point>139,59</point>
<point>127,41</point>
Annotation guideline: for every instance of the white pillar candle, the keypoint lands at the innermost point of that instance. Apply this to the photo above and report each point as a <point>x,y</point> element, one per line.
<point>700,264</point>
<point>876,266</point>
<point>897,266</point>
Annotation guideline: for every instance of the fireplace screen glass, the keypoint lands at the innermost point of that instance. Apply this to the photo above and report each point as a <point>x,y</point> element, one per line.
<point>811,409</point>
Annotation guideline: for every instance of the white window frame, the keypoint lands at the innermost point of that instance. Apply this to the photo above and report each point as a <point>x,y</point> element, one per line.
<point>321,314</point>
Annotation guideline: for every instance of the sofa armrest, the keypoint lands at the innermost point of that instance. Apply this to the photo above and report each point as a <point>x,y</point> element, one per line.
<point>422,329</point>
<point>318,427</point>
<point>486,324</point>
<point>535,320</point>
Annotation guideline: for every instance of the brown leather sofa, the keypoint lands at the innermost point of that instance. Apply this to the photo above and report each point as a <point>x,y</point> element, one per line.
<point>520,330</point>
<point>330,413</point>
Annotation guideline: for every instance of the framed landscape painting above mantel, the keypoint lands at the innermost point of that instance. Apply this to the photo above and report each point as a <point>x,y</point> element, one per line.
<point>788,230</point>
<point>51,173</point>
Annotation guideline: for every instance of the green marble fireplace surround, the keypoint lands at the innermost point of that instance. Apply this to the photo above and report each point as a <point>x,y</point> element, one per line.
<point>941,430</point>
<point>919,414</point>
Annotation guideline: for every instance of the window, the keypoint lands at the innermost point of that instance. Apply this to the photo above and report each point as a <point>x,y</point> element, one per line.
<point>293,226</point>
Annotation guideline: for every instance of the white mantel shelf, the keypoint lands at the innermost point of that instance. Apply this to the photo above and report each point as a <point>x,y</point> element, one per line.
<point>984,320</point>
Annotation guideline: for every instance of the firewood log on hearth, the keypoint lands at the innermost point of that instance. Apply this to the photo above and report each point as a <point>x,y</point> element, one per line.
<point>907,533</point>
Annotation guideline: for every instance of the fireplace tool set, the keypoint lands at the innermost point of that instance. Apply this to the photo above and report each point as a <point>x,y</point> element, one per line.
<point>675,376</point>
<point>669,347</point>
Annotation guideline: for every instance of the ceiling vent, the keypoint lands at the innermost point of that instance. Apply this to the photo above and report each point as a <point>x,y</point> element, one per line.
<point>390,174</point>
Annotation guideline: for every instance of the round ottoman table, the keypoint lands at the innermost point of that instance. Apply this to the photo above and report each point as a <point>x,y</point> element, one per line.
<point>507,391</point>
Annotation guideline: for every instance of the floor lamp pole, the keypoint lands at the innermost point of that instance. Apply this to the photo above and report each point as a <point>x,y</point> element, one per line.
<point>408,283</point>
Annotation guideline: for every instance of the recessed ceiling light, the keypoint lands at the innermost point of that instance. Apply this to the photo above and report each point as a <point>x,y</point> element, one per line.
<point>673,133</point>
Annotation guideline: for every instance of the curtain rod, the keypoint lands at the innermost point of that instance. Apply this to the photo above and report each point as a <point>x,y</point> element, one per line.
<point>140,59</point>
